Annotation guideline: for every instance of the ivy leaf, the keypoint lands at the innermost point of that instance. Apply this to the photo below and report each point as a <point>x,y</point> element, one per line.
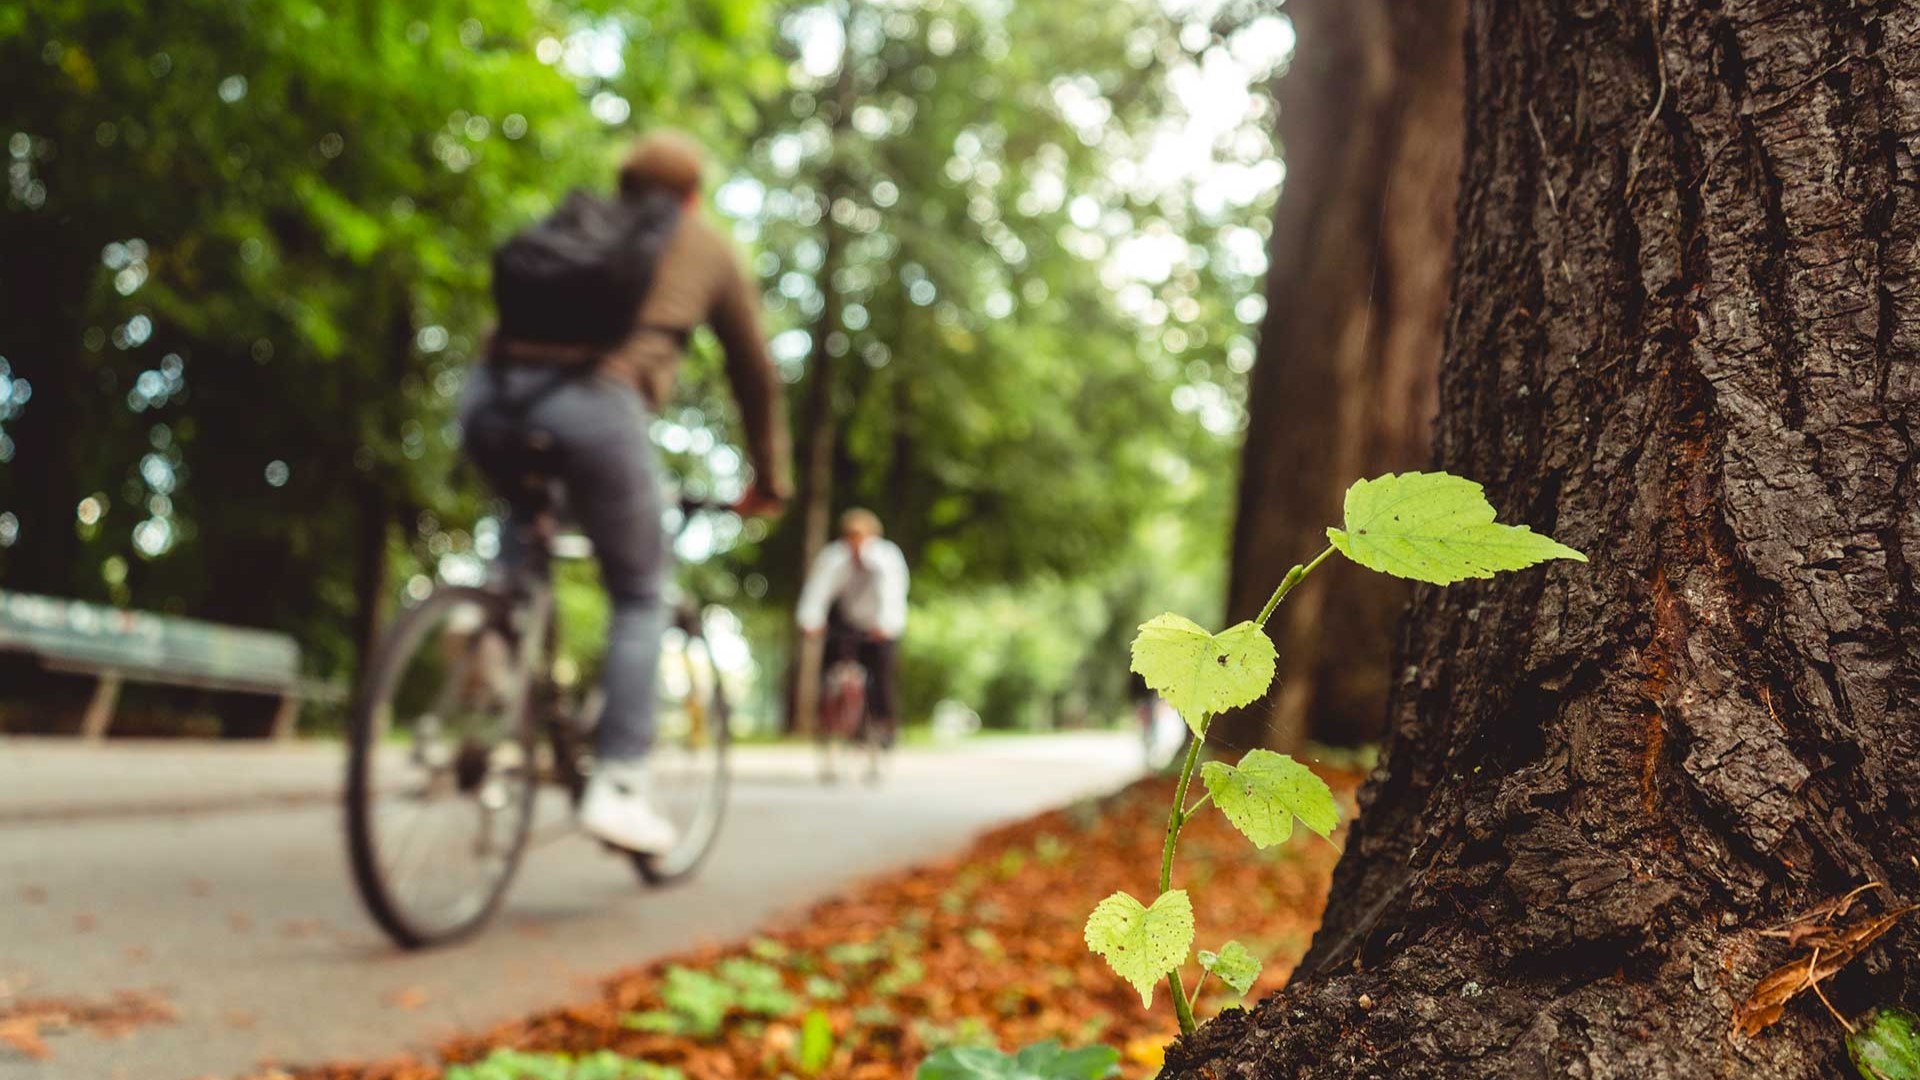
<point>1435,527</point>
<point>1142,944</point>
<point>1266,792</point>
<point>1887,1046</point>
<point>1202,674</point>
<point>1234,965</point>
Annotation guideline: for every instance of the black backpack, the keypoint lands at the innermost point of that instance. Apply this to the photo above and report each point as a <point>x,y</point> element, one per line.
<point>578,277</point>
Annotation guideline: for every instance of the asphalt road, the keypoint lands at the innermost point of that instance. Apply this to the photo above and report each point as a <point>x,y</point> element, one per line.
<point>215,880</point>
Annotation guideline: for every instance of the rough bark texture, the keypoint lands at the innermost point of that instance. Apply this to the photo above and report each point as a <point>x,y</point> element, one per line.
<point>1345,381</point>
<point>1684,338</point>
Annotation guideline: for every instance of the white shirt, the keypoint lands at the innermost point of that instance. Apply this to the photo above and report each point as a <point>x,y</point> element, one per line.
<point>872,593</point>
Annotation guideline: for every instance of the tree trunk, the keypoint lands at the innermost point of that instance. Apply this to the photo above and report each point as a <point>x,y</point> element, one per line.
<point>1684,338</point>
<point>373,533</point>
<point>820,425</point>
<point>1345,381</point>
<point>44,479</point>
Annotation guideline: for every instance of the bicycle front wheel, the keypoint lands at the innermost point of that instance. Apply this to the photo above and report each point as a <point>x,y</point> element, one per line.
<point>441,769</point>
<point>688,765</point>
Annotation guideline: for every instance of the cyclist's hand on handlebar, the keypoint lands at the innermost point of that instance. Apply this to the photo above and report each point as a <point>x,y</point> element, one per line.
<point>759,502</point>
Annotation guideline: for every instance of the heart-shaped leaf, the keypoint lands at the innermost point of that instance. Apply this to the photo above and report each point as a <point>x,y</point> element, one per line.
<point>1141,944</point>
<point>1435,527</point>
<point>1201,674</point>
<point>1266,791</point>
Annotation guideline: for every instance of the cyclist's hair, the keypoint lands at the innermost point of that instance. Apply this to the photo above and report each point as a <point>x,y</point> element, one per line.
<point>663,160</point>
<point>862,519</point>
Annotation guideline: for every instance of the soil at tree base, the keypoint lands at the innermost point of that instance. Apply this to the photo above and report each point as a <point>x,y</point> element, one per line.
<point>994,934</point>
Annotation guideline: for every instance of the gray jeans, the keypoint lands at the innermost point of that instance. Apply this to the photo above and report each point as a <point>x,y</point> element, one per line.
<point>606,465</point>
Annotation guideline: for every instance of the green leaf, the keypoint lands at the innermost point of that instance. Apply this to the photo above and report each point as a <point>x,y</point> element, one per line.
<point>1887,1046</point>
<point>601,1065</point>
<point>1233,964</point>
<point>1266,791</point>
<point>1435,527</point>
<point>1039,1061</point>
<point>1142,944</point>
<point>700,999</point>
<point>816,1042</point>
<point>1202,674</point>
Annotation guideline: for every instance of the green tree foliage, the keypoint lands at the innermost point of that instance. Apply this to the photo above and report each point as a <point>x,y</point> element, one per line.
<point>255,239</point>
<point>1030,333</point>
<point>258,235</point>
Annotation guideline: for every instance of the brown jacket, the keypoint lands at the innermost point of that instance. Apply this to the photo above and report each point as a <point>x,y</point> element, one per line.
<point>699,280</point>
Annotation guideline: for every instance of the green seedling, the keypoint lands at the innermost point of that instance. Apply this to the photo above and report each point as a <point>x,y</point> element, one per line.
<point>982,941</point>
<point>969,1031</point>
<point>698,1003</point>
<point>769,950</point>
<point>1011,862</point>
<point>1431,527</point>
<point>906,973</point>
<point>762,989</point>
<point>1050,849</point>
<point>1040,1061</point>
<point>519,1065</point>
<point>821,988</point>
<point>816,1043</point>
<point>857,953</point>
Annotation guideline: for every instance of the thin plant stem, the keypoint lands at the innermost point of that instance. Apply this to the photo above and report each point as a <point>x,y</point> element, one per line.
<point>1176,819</point>
<point>1293,578</point>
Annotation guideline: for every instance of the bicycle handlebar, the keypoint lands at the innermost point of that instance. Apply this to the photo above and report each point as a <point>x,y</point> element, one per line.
<point>690,506</point>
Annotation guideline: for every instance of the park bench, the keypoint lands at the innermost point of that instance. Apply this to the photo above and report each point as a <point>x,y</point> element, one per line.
<point>117,646</point>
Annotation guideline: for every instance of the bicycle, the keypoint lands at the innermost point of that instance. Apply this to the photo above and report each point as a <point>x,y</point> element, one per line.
<point>462,718</point>
<point>843,719</point>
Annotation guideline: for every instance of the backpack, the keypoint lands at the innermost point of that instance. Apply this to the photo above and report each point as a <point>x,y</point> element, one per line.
<point>579,276</point>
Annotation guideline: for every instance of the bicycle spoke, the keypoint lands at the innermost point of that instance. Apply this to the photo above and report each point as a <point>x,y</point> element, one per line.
<point>446,801</point>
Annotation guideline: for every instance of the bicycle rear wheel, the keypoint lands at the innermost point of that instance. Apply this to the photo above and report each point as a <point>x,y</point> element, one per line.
<point>441,769</point>
<point>840,721</point>
<point>687,768</point>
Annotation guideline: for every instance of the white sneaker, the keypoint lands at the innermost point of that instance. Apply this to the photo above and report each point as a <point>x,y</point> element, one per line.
<point>616,810</point>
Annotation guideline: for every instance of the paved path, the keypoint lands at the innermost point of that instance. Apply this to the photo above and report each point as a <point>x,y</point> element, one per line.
<point>214,877</point>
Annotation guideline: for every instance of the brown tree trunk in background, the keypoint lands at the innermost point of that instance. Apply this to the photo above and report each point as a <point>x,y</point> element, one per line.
<point>1344,383</point>
<point>45,479</point>
<point>375,509</point>
<point>820,424</point>
<point>1685,338</point>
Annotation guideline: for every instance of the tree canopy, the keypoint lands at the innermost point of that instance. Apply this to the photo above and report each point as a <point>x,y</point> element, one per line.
<point>253,243</point>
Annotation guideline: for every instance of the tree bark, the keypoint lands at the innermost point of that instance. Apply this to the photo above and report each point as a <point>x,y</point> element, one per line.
<point>1344,384</point>
<point>1685,338</point>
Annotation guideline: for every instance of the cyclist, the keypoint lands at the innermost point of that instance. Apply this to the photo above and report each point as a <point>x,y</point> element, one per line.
<point>856,594</point>
<point>584,407</point>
